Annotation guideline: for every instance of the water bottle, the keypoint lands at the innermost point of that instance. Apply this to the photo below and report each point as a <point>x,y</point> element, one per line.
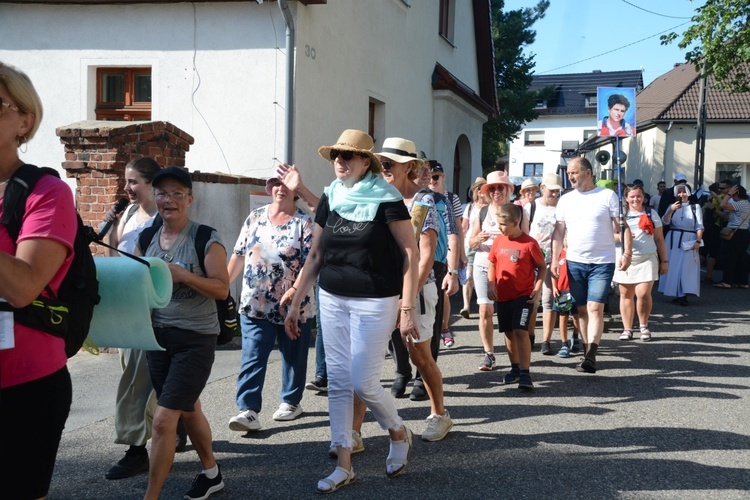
<point>7,337</point>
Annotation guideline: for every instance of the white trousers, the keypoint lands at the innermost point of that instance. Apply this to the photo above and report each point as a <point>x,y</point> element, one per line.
<point>357,331</point>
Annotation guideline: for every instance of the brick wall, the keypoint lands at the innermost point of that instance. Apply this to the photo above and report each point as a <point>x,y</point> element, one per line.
<point>96,153</point>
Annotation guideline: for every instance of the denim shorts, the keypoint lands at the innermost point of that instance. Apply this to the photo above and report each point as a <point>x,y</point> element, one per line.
<point>590,282</point>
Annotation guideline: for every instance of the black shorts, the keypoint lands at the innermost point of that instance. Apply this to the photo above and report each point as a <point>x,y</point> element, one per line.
<point>513,314</point>
<point>180,372</point>
<point>32,418</point>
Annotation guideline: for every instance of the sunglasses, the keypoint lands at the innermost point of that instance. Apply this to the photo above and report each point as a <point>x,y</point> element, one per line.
<point>436,177</point>
<point>4,104</point>
<point>386,164</point>
<point>344,155</point>
<point>496,188</point>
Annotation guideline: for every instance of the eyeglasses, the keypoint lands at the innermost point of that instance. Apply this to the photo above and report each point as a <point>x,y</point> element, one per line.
<point>436,177</point>
<point>386,164</point>
<point>4,104</point>
<point>175,195</point>
<point>345,155</point>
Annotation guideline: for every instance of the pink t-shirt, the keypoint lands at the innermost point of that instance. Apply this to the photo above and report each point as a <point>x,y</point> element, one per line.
<point>50,214</point>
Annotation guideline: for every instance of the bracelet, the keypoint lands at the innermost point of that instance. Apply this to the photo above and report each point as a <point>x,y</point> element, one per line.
<point>627,255</point>
<point>665,262</point>
<point>293,287</point>
<point>409,308</point>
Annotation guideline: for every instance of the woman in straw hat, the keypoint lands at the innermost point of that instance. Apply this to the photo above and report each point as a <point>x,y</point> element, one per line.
<point>471,212</point>
<point>484,229</point>
<point>401,167</point>
<point>362,234</point>
<point>528,192</point>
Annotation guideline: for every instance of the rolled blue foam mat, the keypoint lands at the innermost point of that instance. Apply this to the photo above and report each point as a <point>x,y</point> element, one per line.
<point>129,290</point>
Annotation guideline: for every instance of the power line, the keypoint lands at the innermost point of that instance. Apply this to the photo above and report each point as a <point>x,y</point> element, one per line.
<point>613,50</point>
<point>654,13</point>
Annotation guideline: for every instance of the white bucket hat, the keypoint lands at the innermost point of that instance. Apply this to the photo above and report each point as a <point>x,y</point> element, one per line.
<point>400,150</point>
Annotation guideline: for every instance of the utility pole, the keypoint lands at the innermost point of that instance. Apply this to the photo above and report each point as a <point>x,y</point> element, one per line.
<point>700,137</point>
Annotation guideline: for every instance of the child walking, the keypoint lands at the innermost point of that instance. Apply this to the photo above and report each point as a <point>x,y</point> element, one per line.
<point>516,273</point>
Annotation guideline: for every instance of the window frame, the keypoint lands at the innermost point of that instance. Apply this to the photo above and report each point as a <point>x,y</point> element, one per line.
<point>534,172</point>
<point>128,109</point>
<point>447,19</point>
<point>528,142</point>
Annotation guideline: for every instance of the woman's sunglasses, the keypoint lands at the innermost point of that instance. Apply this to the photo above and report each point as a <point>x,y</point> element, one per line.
<point>345,155</point>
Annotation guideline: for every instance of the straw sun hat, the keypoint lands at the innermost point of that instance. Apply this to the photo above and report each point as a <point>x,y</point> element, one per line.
<point>357,142</point>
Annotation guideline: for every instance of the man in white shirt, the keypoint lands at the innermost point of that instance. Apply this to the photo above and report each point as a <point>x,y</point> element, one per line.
<point>590,216</point>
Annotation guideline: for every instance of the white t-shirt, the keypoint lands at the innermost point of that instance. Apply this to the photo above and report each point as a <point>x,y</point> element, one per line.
<point>588,220</point>
<point>542,226</point>
<point>654,202</point>
<point>491,226</point>
<point>643,243</point>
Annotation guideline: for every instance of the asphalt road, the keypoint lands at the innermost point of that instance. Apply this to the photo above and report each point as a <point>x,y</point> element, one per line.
<point>668,419</point>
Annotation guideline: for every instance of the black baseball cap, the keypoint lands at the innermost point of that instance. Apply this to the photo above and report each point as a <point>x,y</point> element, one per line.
<point>182,176</point>
<point>437,167</point>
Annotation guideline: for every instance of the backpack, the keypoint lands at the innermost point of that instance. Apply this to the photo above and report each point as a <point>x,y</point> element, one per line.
<point>441,250</point>
<point>226,309</point>
<point>67,314</point>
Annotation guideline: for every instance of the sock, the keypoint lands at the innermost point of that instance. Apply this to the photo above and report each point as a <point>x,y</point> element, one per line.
<point>525,371</point>
<point>137,450</point>
<point>516,368</point>
<point>591,354</point>
<point>212,472</point>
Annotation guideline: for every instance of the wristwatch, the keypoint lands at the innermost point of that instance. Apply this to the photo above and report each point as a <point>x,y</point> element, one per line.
<point>453,272</point>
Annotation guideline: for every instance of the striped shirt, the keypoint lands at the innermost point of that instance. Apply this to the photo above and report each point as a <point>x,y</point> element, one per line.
<point>740,216</point>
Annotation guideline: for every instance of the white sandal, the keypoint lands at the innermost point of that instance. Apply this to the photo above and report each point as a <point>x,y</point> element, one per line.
<point>331,482</point>
<point>399,461</point>
<point>645,334</point>
<point>626,335</point>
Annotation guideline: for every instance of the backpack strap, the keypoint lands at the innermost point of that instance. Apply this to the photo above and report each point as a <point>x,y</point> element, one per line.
<point>19,187</point>
<point>483,214</point>
<point>131,212</point>
<point>201,239</point>
<point>532,210</point>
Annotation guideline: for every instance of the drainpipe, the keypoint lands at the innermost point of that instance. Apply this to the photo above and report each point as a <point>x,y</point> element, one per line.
<point>664,155</point>
<point>289,118</point>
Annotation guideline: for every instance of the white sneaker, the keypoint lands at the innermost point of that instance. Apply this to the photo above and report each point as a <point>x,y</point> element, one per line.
<point>359,445</point>
<point>287,412</point>
<point>246,421</point>
<point>437,427</point>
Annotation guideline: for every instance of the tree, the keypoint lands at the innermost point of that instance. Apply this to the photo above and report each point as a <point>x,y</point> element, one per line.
<point>513,73</point>
<point>718,42</point>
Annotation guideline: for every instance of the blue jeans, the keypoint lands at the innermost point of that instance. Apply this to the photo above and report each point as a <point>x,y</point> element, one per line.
<point>258,339</point>
<point>590,282</point>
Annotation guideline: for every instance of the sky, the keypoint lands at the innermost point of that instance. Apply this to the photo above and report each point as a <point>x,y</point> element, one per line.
<point>580,36</point>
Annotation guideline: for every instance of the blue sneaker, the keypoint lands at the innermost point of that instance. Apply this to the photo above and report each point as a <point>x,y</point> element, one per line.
<point>564,351</point>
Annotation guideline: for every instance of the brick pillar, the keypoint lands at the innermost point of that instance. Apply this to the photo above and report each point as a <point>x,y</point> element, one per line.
<point>96,153</point>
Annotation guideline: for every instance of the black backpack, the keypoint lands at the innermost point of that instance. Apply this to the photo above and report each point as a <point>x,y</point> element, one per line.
<point>67,314</point>
<point>226,309</point>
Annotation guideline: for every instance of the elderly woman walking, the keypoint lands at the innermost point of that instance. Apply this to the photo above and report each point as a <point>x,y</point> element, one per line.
<point>271,249</point>
<point>366,255</point>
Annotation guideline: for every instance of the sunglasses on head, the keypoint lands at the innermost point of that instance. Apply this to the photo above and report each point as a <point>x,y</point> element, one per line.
<point>345,155</point>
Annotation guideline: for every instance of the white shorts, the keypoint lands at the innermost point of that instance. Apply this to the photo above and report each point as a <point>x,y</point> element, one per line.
<point>426,321</point>
<point>481,284</point>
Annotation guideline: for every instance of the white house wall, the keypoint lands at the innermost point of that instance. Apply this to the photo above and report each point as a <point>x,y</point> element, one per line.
<point>233,104</point>
<point>382,51</point>
<point>227,104</point>
<point>556,130</point>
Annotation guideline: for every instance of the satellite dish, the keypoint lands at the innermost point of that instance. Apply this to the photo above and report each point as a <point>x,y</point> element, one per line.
<point>620,158</point>
<point>602,157</point>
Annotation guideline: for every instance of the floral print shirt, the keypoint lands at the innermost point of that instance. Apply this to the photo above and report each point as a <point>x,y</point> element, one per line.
<point>274,256</point>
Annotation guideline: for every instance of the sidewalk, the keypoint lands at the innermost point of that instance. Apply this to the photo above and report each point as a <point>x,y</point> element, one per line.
<point>668,419</point>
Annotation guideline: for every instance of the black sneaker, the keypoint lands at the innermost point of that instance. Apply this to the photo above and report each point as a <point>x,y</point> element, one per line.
<point>547,349</point>
<point>524,382</point>
<point>398,388</point>
<point>320,384</point>
<point>587,366</point>
<point>133,463</point>
<point>203,486</point>
<point>419,393</point>
<point>512,377</point>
